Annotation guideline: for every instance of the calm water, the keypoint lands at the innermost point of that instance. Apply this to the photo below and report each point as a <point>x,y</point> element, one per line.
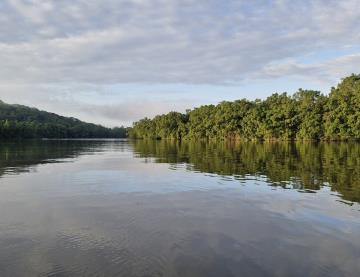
<point>146,208</point>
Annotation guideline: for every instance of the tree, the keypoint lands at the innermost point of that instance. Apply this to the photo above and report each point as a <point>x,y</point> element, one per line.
<point>310,109</point>
<point>342,117</point>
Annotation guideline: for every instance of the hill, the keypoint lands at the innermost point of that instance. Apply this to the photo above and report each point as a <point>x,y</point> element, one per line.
<point>17,121</point>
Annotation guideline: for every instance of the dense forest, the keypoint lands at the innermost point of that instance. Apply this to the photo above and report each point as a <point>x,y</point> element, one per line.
<point>306,115</point>
<point>17,121</point>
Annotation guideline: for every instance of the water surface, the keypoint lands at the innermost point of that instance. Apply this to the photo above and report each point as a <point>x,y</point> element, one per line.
<point>161,208</point>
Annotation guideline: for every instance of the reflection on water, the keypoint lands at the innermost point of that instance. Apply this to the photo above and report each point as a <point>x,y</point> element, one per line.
<point>303,166</point>
<point>161,208</point>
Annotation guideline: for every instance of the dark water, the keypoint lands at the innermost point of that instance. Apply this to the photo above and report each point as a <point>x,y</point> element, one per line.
<point>146,208</point>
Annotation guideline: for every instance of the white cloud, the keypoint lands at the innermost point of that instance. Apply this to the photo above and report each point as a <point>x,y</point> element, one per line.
<point>166,41</point>
<point>101,42</point>
<point>326,71</point>
<point>35,11</point>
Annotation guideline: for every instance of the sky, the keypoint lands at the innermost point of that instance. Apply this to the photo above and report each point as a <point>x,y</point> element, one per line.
<point>113,62</point>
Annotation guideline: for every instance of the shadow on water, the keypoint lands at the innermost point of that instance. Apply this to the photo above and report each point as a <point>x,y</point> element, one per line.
<point>306,167</point>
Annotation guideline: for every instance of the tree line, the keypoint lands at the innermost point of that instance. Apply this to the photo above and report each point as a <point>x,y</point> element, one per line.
<point>306,115</point>
<point>21,122</point>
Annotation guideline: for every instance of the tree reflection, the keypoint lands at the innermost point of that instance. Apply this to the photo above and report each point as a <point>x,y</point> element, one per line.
<point>303,166</point>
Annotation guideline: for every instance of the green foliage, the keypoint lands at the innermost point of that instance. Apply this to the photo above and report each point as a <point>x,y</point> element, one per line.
<point>18,122</point>
<point>310,110</point>
<point>342,117</point>
<point>307,115</point>
<point>171,125</point>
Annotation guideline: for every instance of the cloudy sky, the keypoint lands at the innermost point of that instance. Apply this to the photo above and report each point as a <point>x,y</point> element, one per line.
<point>114,61</point>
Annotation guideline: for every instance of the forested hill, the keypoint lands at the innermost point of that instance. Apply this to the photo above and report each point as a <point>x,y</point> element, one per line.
<point>17,121</point>
<point>306,115</point>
